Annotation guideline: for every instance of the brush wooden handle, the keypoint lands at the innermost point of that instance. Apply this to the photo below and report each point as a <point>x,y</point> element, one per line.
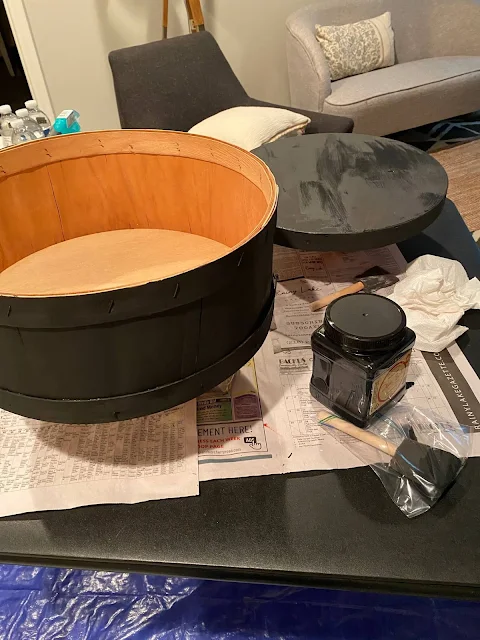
<point>324,302</point>
<point>360,434</point>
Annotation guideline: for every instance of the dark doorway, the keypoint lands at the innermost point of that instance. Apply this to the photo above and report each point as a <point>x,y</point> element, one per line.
<point>14,89</point>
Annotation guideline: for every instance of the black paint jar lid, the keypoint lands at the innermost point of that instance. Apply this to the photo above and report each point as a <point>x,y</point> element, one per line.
<point>365,322</point>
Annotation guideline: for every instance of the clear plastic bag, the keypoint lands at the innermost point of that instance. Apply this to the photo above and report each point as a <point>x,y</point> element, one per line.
<point>416,454</point>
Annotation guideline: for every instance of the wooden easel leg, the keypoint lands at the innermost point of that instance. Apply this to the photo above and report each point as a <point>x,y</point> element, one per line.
<point>195,15</point>
<point>165,19</point>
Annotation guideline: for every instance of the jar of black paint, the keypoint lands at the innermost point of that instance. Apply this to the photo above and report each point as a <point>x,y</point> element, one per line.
<point>361,355</point>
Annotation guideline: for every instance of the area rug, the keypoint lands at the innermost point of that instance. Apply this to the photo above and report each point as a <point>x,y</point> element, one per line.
<point>443,134</point>
<point>462,164</point>
<point>455,143</point>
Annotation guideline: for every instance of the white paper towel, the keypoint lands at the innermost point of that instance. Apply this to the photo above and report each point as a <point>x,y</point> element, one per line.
<point>435,293</point>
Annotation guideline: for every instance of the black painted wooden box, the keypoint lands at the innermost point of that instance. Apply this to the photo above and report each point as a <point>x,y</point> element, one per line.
<point>126,351</point>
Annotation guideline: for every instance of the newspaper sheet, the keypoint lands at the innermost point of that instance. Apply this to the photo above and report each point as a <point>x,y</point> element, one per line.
<point>59,466</point>
<point>286,427</point>
<point>236,437</point>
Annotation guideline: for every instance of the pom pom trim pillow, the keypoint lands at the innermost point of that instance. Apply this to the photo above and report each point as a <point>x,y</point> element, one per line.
<point>356,48</point>
<point>250,127</point>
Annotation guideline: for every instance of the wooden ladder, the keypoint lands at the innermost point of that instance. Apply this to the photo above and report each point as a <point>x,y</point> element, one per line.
<point>194,13</point>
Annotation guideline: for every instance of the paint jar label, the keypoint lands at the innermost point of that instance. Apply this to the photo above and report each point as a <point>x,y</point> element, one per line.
<point>389,383</point>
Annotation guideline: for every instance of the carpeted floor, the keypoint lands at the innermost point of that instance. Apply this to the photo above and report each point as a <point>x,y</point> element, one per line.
<point>455,143</point>
<point>440,135</point>
<point>462,164</point>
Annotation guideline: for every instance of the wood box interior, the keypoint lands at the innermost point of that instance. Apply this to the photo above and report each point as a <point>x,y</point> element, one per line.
<point>64,188</point>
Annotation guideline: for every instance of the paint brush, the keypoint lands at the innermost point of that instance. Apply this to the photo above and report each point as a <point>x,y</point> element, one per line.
<point>429,469</point>
<point>372,280</point>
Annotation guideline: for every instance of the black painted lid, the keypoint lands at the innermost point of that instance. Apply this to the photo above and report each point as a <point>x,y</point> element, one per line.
<point>365,322</point>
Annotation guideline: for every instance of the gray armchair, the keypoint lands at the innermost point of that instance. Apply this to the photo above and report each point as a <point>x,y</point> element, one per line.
<point>436,75</point>
<point>176,83</point>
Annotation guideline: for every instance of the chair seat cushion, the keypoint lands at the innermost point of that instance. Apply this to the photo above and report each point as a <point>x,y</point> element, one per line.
<point>400,77</point>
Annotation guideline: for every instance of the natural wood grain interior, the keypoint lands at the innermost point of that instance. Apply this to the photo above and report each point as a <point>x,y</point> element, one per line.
<point>28,216</point>
<point>108,261</point>
<point>70,186</point>
<point>104,193</point>
<point>139,141</point>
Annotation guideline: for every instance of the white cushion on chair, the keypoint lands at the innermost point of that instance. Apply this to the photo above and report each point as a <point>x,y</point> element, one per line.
<point>250,127</point>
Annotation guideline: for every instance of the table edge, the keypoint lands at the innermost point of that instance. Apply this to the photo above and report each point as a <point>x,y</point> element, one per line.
<point>262,576</point>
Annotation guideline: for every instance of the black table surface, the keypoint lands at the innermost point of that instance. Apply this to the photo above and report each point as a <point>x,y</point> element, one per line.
<point>330,529</point>
<point>345,192</point>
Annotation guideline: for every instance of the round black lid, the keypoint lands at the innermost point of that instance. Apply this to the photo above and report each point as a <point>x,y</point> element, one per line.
<point>364,322</point>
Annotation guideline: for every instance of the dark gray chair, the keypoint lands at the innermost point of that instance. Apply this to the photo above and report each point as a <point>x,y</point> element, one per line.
<point>177,83</point>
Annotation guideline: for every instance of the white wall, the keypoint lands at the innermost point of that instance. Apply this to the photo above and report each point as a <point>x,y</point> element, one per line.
<point>251,33</point>
<point>73,38</point>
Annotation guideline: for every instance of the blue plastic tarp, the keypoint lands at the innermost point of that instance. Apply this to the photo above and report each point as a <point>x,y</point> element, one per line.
<point>53,604</point>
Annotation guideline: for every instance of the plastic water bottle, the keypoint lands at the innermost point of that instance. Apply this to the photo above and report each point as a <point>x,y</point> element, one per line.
<point>38,116</point>
<point>30,124</point>
<point>6,119</point>
<point>21,133</point>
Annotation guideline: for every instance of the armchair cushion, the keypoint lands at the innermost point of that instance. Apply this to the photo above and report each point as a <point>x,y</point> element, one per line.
<point>173,83</point>
<point>408,95</point>
<point>401,77</point>
<point>320,122</point>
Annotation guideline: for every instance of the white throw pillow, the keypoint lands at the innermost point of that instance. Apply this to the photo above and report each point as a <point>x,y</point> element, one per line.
<point>250,127</point>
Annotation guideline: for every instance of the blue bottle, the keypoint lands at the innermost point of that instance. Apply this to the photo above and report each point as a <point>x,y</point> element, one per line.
<point>66,122</point>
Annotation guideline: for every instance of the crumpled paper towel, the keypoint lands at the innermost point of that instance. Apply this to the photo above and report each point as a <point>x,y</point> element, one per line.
<point>435,293</point>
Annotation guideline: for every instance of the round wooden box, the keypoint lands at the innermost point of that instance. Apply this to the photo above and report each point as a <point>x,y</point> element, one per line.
<point>136,271</point>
